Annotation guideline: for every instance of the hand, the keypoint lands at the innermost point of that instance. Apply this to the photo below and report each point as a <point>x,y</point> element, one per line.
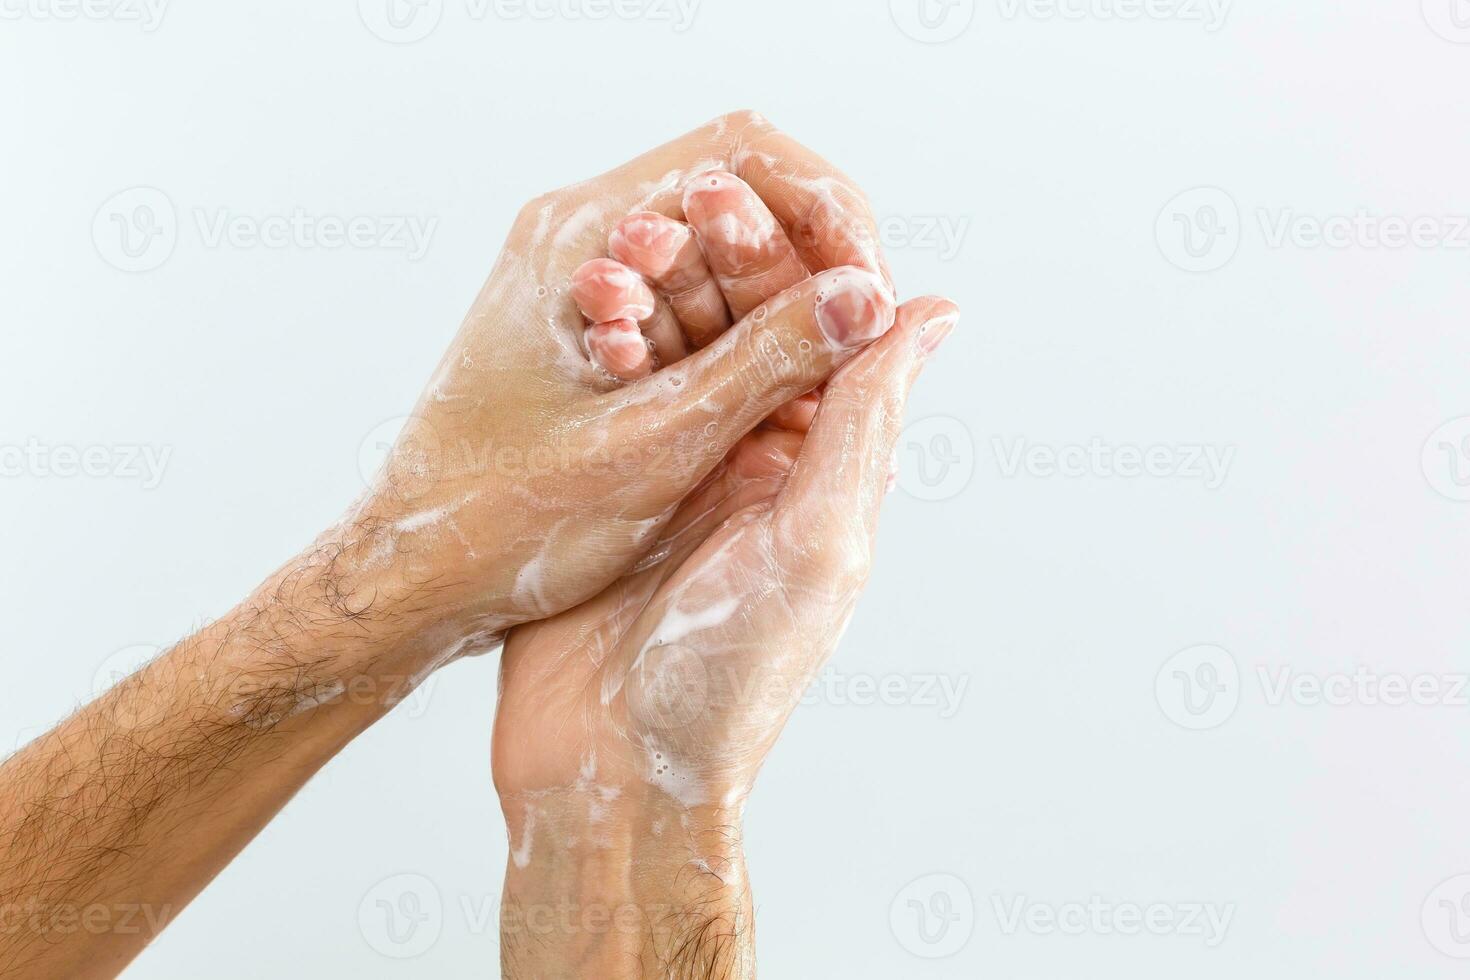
<point>530,476</point>
<point>631,728</point>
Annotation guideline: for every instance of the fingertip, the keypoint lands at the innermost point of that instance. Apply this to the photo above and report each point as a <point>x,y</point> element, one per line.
<point>930,305</point>
<point>931,319</point>
<point>607,290</point>
<point>648,242</point>
<point>619,347</point>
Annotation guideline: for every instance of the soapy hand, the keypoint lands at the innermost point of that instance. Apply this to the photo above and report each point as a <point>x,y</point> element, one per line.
<point>672,684</point>
<point>631,728</point>
<point>566,423</point>
<point>635,330</point>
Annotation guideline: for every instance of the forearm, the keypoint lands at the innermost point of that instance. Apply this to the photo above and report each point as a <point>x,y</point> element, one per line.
<point>613,885</point>
<point>111,823</point>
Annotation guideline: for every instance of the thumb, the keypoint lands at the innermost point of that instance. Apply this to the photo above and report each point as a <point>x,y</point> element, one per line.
<point>701,406</point>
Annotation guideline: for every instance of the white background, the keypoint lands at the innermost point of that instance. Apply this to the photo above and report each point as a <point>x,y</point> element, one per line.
<point>1050,149</point>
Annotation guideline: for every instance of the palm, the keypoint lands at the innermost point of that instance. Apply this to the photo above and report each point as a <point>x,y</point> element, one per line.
<point>680,674</point>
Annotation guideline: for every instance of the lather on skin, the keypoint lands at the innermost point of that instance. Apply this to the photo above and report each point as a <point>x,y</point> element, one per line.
<point>141,797</point>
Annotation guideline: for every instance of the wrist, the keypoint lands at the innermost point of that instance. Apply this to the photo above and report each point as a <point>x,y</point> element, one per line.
<point>330,627</point>
<point>627,883</point>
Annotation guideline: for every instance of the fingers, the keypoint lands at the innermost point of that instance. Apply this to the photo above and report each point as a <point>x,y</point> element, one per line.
<point>611,295</point>
<point>830,221</point>
<point>797,414</point>
<point>746,247</point>
<point>828,224</point>
<point>665,253</point>
<point>783,349</point>
<point>841,476</point>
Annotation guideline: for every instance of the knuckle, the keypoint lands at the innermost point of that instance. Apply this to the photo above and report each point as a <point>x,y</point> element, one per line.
<point>532,211</point>
<point>842,217</point>
<point>745,119</point>
<point>765,359</point>
<point>744,258</point>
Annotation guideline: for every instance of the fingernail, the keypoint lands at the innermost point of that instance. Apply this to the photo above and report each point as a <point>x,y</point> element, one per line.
<point>933,332</point>
<point>853,308</point>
